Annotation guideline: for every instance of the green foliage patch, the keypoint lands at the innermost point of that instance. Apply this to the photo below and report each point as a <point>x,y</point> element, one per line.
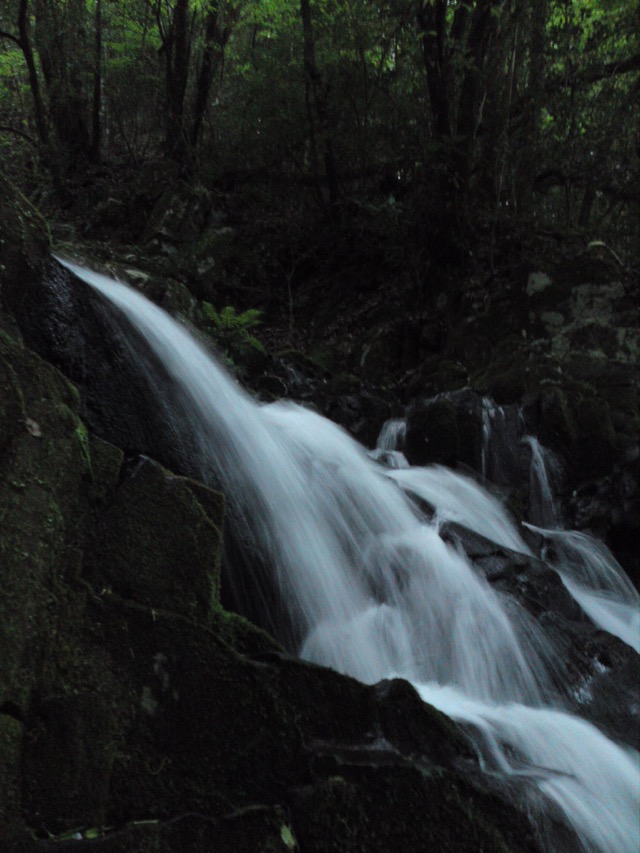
<point>232,333</point>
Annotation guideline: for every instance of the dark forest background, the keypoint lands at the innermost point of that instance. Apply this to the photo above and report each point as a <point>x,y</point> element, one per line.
<point>402,134</point>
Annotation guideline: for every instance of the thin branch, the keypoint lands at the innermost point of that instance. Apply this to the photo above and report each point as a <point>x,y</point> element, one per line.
<point>4,128</point>
<point>5,35</point>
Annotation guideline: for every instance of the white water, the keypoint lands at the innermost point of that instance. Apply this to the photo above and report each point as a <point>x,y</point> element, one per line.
<point>542,508</point>
<point>392,434</point>
<point>596,580</point>
<point>376,592</point>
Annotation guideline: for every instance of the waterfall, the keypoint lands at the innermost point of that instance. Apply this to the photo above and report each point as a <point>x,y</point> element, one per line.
<point>388,449</point>
<point>392,434</point>
<point>542,505</point>
<point>596,580</point>
<point>374,591</point>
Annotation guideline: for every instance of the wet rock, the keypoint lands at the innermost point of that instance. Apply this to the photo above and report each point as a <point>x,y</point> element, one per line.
<point>599,675</point>
<point>118,403</point>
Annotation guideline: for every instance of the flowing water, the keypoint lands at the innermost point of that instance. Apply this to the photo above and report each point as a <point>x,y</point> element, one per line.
<point>374,591</point>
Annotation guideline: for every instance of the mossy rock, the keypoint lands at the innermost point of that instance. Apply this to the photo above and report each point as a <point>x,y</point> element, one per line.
<point>106,464</point>
<point>259,829</point>
<point>159,543</point>
<point>44,468</point>
<point>305,362</point>
<point>615,383</point>
<point>505,383</point>
<point>437,374</point>
<point>597,337</point>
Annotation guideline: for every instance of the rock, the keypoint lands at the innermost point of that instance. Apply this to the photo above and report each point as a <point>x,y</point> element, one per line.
<point>180,215</point>
<point>45,468</point>
<point>432,434</point>
<point>446,429</point>
<point>24,246</point>
<point>159,543</point>
<point>135,711</point>
<point>263,829</point>
<point>599,678</point>
<point>117,402</point>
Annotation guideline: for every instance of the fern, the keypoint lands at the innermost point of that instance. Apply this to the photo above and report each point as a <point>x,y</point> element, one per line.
<point>231,331</point>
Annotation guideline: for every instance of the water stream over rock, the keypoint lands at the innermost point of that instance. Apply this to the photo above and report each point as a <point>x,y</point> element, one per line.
<point>373,589</point>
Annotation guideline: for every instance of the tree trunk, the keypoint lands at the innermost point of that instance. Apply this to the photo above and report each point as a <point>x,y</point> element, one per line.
<point>529,165</point>
<point>34,83</point>
<point>316,98</point>
<point>177,74</point>
<point>469,113</point>
<point>96,107</point>
<point>214,43</point>
<point>431,19</point>
<point>60,39</point>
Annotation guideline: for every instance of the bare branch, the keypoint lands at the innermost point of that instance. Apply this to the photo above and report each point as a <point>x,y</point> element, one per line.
<point>4,128</point>
<point>5,35</point>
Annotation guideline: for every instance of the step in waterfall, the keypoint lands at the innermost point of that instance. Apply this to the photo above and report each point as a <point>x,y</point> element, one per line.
<point>374,590</point>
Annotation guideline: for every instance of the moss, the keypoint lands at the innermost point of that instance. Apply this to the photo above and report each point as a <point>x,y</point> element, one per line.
<point>82,437</point>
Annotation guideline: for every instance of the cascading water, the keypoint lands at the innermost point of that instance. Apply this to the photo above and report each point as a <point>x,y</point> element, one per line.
<point>587,568</point>
<point>392,434</point>
<point>374,591</point>
<point>388,449</point>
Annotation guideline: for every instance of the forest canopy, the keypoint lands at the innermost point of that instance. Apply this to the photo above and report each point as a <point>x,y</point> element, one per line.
<point>431,111</point>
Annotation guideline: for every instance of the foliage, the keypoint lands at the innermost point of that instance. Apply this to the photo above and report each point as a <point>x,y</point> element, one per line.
<point>452,111</point>
<point>232,333</point>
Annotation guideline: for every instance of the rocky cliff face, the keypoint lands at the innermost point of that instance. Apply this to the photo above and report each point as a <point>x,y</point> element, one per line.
<point>137,714</point>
